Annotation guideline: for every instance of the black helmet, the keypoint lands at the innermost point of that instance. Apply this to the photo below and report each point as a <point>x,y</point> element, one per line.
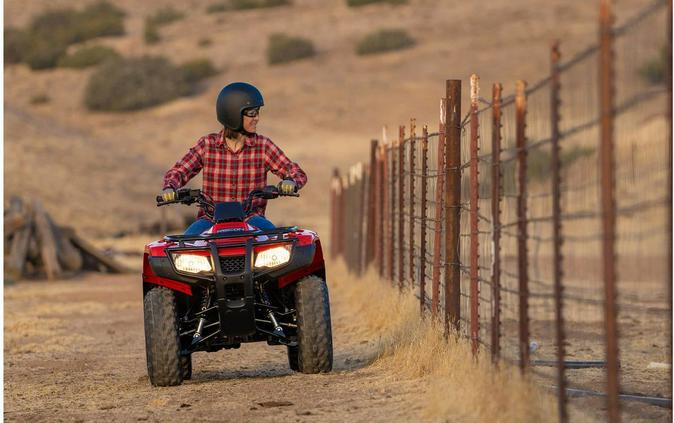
<point>233,100</point>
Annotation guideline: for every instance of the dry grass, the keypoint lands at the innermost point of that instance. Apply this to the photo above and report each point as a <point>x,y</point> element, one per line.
<point>409,347</point>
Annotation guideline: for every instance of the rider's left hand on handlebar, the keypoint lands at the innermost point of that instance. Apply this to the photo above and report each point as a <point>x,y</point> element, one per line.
<point>287,186</point>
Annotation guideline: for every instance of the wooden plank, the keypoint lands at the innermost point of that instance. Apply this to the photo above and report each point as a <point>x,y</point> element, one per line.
<point>46,241</point>
<point>16,260</point>
<point>69,256</point>
<point>110,264</point>
<point>14,222</point>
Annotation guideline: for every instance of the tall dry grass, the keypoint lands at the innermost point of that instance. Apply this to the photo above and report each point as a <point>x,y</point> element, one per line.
<point>457,387</point>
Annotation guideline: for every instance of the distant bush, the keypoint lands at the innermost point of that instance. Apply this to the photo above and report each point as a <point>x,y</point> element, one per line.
<point>151,33</point>
<point>132,84</point>
<point>283,48</point>
<point>356,3</point>
<point>165,16</point>
<point>654,70</point>
<point>49,34</point>
<point>204,42</point>
<point>16,45</point>
<point>88,56</point>
<point>245,5</point>
<point>383,41</point>
<point>196,70</point>
<point>39,99</point>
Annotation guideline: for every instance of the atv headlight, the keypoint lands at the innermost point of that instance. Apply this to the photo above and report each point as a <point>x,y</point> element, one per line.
<point>273,257</point>
<point>192,263</point>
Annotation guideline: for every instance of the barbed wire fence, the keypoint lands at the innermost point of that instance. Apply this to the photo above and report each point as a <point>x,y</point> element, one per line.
<point>539,226</point>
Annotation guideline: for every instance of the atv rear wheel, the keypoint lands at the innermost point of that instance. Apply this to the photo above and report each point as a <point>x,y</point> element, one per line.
<point>293,358</point>
<point>162,346</point>
<point>314,330</point>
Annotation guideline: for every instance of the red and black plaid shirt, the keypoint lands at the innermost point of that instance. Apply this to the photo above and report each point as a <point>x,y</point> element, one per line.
<point>230,176</point>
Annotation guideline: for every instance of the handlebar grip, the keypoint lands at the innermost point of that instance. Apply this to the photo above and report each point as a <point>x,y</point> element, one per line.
<point>160,199</point>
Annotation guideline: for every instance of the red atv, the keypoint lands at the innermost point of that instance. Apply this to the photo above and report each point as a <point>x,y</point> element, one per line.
<point>234,283</point>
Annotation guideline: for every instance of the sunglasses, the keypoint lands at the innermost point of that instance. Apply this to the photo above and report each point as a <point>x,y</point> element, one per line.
<point>252,112</point>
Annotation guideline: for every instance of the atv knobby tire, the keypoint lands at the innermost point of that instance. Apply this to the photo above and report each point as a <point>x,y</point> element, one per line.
<point>186,365</point>
<point>314,331</point>
<point>165,367</point>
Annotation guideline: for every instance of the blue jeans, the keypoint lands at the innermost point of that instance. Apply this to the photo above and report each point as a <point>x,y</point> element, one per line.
<point>200,225</point>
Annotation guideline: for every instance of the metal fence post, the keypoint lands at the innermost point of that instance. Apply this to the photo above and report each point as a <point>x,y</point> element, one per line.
<point>496,195</point>
<point>557,230</point>
<point>453,203</point>
<point>439,206</point>
<point>381,188</point>
<point>362,218</point>
<point>474,242</point>
<point>392,183</point>
<point>522,260</point>
<point>410,208</point>
<point>424,206</point>
<point>606,96</point>
<point>401,206</point>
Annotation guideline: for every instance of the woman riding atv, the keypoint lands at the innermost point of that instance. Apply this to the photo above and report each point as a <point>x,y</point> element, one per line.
<point>235,160</point>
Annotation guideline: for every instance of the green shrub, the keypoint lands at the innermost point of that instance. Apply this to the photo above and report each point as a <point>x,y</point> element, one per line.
<point>655,69</point>
<point>88,56</point>
<point>383,41</point>
<point>165,16</point>
<point>283,48</point>
<point>132,84</point>
<point>356,3</point>
<point>39,99</point>
<point>151,33</point>
<point>204,42</point>
<point>196,70</point>
<point>44,52</point>
<point>16,45</point>
<point>217,8</point>
<point>256,4</point>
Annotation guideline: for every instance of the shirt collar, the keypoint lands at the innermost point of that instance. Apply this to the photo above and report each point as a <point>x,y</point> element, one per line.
<point>249,141</point>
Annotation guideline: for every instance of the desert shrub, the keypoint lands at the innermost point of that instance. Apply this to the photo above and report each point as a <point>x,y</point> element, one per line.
<point>39,99</point>
<point>132,84</point>
<point>151,33</point>
<point>88,56</point>
<point>283,48</point>
<point>204,42</point>
<point>16,44</point>
<point>356,3</point>
<point>383,41</point>
<point>196,70</point>
<point>50,33</point>
<point>165,16</point>
<point>245,5</point>
<point>655,69</point>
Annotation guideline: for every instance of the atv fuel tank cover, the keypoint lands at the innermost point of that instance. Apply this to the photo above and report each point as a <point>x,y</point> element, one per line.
<point>228,211</point>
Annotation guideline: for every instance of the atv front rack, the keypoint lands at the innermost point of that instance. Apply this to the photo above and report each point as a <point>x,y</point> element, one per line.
<point>239,234</point>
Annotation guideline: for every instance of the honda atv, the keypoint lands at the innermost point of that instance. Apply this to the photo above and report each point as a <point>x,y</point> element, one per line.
<point>231,284</point>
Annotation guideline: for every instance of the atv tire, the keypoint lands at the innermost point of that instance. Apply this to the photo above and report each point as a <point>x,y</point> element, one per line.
<point>186,365</point>
<point>293,358</point>
<point>162,346</point>
<point>314,330</point>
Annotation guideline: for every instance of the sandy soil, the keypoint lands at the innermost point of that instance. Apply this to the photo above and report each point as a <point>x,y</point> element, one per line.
<point>74,351</point>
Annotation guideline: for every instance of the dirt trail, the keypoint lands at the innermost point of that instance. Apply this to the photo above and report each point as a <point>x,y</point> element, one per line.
<point>74,351</point>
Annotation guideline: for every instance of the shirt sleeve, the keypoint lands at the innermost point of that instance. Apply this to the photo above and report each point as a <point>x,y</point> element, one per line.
<point>280,165</point>
<point>187,167</point>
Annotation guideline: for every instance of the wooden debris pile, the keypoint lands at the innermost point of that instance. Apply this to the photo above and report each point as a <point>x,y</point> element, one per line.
<point>35,246</point>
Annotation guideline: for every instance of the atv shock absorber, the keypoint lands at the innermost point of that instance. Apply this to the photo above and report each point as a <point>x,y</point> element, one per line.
<point>205,302</point>
<point>278,331</point>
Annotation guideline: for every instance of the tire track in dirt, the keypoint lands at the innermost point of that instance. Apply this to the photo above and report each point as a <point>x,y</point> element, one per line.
<point>74,351</point>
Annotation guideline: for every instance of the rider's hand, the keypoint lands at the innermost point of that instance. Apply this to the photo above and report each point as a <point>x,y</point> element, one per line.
<point>168,194</point>
<point>287,186</point>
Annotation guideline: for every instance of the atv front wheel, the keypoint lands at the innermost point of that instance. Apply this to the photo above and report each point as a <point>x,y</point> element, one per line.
<point>162,346</point>
<point>186,364</point>
<point>314,330</point>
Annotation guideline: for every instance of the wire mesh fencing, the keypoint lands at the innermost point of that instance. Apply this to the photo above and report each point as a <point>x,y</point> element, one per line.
<point>539,225</point>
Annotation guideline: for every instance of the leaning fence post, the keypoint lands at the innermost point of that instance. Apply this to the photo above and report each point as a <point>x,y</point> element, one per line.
<point>453,204</point>
<point>606,96</point>
<point>410,235</point>
<point>557,230</point>
<point>424,205</point>
<point>474,242</point>
<point>496,195</point>
<point>401,206</point>
<point>522,260</point>
<point>439,206</point>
